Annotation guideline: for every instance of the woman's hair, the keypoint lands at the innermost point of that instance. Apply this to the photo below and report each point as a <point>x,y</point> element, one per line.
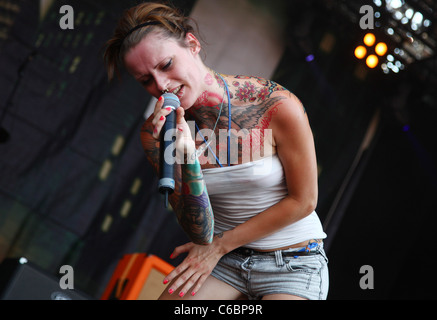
<point>136,23</point>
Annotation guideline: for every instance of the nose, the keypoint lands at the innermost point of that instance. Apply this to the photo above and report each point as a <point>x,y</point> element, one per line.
<point>161,82</point>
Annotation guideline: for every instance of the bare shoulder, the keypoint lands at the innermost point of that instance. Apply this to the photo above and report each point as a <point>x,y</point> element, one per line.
<point>291,121</point>
<point>290,104</point>
<point>259,100</point>
<point>253,90</point>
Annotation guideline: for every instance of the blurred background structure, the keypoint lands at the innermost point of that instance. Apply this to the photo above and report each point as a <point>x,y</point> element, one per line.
<point>76,188</point>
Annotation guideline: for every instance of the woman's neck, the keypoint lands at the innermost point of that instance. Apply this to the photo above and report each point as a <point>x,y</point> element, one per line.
<point>212,99</point>
<point>213,90</point>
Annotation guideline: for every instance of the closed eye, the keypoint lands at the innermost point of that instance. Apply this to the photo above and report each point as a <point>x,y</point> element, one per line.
<point>168,65</point>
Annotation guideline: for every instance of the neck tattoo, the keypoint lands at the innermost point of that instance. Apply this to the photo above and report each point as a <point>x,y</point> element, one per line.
<point>207,143</point>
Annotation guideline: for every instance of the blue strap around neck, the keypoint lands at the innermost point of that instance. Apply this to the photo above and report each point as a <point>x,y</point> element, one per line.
<point>229,128</point>
<point>229,121</point>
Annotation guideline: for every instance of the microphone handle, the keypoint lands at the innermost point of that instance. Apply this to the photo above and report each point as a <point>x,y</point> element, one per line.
<point>166,183</point>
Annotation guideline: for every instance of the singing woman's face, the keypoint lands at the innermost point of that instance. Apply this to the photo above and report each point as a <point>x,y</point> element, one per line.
<point>160,63</point>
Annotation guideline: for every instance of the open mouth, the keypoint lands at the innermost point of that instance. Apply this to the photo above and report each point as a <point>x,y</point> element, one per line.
<point>178,91</point>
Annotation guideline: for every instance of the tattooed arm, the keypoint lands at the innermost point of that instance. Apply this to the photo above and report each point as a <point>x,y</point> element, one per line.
<point>190,199</point>
<point>196,216</point>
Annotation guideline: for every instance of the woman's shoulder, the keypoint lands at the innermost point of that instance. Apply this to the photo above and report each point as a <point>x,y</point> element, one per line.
<point>255,90</point>
<point>273,97</point>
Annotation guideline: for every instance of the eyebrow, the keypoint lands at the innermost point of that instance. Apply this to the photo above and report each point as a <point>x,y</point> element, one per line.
<point>148,75</point>
<point>142,76</point>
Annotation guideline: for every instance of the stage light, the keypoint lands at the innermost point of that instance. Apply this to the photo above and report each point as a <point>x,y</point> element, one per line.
<point>372,61</point>
<point>409,13</point>
<point>371,51</point>
<point>360,52</point>
<point>369,39</point>
<point>417,18</point>
<point>309,58</point>
<point>395,4</point>
<point>381,49</point>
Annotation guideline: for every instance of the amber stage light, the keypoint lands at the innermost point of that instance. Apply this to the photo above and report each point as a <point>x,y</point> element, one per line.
<point>360,52</point>
<point>372,61</point>
<point>369,39</point>
<point>381,49</point>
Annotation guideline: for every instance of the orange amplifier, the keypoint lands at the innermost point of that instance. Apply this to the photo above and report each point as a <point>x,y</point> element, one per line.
<point>138,276</point>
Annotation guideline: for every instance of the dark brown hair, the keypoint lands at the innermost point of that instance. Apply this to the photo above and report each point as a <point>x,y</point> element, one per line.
<point>163,18</point>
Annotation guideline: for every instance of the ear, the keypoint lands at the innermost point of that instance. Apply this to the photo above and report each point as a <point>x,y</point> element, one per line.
<point>193,43</point>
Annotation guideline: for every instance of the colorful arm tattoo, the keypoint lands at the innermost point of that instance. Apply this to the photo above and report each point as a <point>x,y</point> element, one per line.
<point>196,218</point>
<point>190,199</point>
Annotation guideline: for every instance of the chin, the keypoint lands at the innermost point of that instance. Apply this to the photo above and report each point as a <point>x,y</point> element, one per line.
<point>186,102</point>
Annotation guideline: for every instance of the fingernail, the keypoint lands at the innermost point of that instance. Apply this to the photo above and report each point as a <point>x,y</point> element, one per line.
<point>171,256</point>
<point>160,98</point>
<point>168,108</point>
<point>162,118</point>
<point>165,281</point>
<point>180,129</point>
<point>193,293</point>
<point>171,291</point>
<point>181,294</point>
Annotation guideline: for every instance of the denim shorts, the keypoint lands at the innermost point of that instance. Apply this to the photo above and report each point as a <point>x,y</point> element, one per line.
<point>301,272</point>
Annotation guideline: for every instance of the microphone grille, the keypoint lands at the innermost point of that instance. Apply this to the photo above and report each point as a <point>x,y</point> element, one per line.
<point>171,100</point>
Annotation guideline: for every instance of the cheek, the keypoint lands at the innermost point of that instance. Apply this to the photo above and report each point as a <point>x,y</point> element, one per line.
<point>191,89</point>
<point>190,76</point>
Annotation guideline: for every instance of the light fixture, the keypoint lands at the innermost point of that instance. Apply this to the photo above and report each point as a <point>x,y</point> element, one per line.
<point>360,52</point>
<point>381,49</point>
<point>372,61</point>
<point>369,39</point>
<point>371,53</point>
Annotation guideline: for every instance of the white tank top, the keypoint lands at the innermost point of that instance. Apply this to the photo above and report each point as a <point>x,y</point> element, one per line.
<point>237,193</point>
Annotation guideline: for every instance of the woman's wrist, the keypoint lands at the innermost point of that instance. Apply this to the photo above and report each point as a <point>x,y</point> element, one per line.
<point>186,154</point>
<point>190,156</point>
<point>221,241</point>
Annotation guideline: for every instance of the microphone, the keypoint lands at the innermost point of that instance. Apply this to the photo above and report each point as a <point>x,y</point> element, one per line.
<point>166,183</point>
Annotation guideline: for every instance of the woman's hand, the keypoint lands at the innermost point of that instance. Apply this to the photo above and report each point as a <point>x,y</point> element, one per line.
<point>190,275</point>
<point>184,142</point>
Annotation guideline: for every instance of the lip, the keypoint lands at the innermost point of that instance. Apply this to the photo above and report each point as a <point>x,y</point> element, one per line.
<point>180,92</point>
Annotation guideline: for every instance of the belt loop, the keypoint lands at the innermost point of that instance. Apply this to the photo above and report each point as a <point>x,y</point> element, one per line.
<point>279,260</point>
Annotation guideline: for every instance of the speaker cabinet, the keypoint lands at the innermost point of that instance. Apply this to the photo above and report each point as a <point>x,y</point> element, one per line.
<point>138,276</point>
<point>22,280</point>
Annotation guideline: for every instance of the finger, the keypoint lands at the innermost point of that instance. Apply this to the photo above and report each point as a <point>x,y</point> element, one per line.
<point>175,273</point>
<point>190,284</point>
<point>157,128</point>
<point>176,252</point>
<point>199,284</point>
<point>159,120</point>
<point>180,113</point>
<point>183,283</point>
<point>159,104</point>
<point>181,249</point>
<point>164,112</point>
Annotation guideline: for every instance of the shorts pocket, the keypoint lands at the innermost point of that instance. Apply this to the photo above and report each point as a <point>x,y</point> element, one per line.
<point>304,264</point>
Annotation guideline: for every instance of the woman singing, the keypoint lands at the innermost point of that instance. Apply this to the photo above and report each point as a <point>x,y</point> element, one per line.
<point>246,178</point>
